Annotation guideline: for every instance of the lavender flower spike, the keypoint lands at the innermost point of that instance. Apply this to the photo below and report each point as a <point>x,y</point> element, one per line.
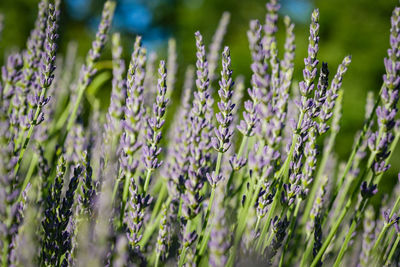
<point>259,81</point>
<point>380,141</point>
<point>311,62</point>
<point>47,67</point>
<point>132,124</point>
<point>88,70</point>
<point>287,64</point>
<point>200,120</point>
<point>118,93</point>
<point>154,126</point>
<point>326,109</point>
<point>162,244</point>
<point>223,133</point>
<point>270,27</point>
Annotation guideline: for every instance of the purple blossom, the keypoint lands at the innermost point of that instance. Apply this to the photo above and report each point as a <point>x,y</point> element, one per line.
<point>155,123</point>
<point>223,132</point>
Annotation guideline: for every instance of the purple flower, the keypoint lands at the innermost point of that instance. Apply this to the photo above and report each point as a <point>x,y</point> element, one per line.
<point>155,123</point>
<point>223,132</point>
<point>311,62</point>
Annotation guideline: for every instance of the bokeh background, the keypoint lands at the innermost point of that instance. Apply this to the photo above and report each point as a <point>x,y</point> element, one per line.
<point>356,27</point>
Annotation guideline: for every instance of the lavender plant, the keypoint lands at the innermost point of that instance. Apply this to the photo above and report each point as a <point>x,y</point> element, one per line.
<point>261,187</point>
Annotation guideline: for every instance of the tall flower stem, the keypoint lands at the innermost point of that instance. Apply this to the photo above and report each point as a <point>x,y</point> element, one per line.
<point>239,154</point>
<point>291,230</point>
<point>88,70</point>
<point>149,229</point>
<point>392,251</point>
<point>205,235</point>
<point>282,177</point>
<point>386,226</point>
<point>325,156</point>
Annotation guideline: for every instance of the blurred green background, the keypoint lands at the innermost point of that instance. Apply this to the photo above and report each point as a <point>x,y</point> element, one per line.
<point>356,27</point>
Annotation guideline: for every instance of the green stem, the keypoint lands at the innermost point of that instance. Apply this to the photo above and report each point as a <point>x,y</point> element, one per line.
<point>345,244</point>
<point>291,230</point>
<point>242,146</point>
<point>392,251</point>
<point>4,259</point>
<point>184,249</point>
<point>157,260</point>
<point>316,184</point>
<point>147,181</point>
<point>307,254</point>
<point>203,240</point>
<point>30,131</point>
<point>149,229</point>
<point>353,154</point>
<point>242,222</point>
<point>160,198</point>
<point>282,175</point>
<point>386,226</point>
<point>28,176</point>
<point>182,257</point>
<point>239,154</point>
<point>333,231</point>
<point>72,117</point>
<point>269,219</point>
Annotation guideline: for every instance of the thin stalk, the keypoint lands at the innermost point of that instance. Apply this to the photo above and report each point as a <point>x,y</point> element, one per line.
<point>149,229</point>
<point>204,240</point>
<point>241,225</point>
<point>183,254</point>
<point>291,230</point>
<point>5,252</point>
<point>30,131</point>
<point>28,176</point>
<point>306,255</point>
<point>282,174</point>
<point>388,241</point>
<point>239,154</point>
<point>386,226</point>
<point>147,181</point>
<point>157,206</point>
<point>392,251</point>
<point>348,204</point>
<point>349,234</point>
<point>315,186</point>
<point>353,153</point>
<point>269,219</point>
<point>125,193</point>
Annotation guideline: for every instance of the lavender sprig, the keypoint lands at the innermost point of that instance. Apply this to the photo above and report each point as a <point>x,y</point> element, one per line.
<point>47,67</point>
<point>88,69</point>
<point>222,141</point>
<point>118,93</point>
<point>200,119</point>
<point>163,236</point>
<point>151,151</point>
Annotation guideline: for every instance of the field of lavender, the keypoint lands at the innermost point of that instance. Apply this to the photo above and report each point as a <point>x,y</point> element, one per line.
<point>239,178</point>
